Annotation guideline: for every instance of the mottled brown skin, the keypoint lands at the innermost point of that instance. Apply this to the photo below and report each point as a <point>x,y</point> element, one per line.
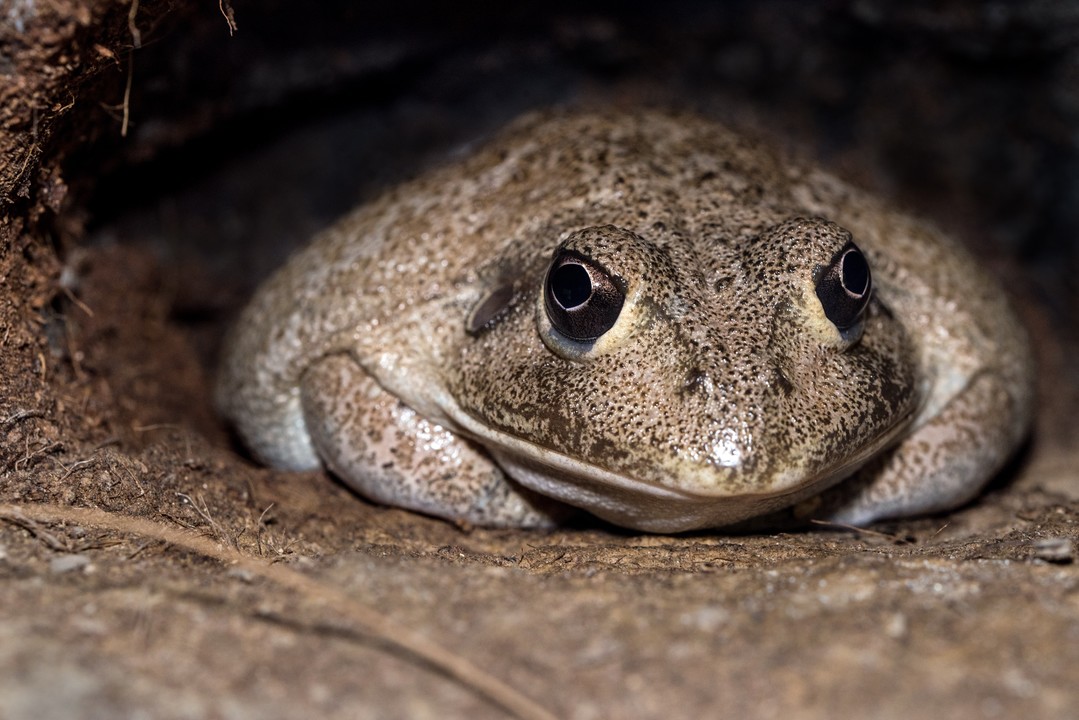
<point>408,347</point>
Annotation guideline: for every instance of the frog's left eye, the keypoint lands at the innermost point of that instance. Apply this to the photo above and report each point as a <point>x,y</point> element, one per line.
<point>582,300</point>
<point>845,286</point>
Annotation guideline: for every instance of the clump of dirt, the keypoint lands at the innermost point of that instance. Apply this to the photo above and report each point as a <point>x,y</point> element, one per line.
<point>148,567</point>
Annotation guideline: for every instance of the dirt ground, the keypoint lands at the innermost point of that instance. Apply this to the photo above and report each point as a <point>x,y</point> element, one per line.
<point>148,569</point>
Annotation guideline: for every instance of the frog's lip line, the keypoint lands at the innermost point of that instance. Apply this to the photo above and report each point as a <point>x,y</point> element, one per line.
<point>563,463</point>
<point>782,485</point>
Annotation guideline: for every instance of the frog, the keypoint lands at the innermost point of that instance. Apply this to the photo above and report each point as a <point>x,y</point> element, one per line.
<point>638,314</point>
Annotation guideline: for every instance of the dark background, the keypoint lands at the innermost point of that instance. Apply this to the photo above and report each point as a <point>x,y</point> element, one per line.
<point>965,111</point>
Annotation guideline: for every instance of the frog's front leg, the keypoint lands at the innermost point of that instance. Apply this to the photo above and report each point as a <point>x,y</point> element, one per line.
<point>383,449</point>
<point>941,465</point>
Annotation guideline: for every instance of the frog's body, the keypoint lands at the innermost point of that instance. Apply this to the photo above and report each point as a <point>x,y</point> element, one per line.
<point>426,351</point>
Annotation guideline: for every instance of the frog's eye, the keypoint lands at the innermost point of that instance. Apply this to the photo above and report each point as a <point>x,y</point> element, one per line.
<point>582,300</point>
<point>845,286</point>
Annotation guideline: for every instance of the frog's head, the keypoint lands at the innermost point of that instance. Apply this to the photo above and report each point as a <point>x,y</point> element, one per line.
<point>667,384</point>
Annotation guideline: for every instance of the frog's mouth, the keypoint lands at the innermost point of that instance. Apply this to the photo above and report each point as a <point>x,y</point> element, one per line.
<point>645,504</point>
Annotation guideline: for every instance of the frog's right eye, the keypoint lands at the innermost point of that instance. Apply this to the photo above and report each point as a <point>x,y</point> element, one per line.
<point>582,299</point>
<point>845,286</point>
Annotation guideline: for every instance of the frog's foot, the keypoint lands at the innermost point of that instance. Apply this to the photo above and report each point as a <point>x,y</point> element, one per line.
<point>942,465</point>
<point>383,449</point>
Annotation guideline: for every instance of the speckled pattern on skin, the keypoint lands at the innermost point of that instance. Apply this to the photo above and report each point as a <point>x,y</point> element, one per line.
<point>721,392</point>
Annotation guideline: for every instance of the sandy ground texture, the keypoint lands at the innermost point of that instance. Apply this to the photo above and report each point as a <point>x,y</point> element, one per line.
<point>148,569</point>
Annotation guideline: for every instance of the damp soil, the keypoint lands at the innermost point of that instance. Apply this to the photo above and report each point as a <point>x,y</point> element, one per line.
<point>149,569</point>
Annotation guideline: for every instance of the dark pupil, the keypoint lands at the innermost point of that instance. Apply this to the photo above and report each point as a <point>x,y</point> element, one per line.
<point>571,285</point>
<point>855,273</point>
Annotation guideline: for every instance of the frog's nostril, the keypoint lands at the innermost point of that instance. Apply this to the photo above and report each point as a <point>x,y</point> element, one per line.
<point>698,382</point>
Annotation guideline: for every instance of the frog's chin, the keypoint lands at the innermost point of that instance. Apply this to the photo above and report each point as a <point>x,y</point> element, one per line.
<point>646,505</point>
<point>636,504</point>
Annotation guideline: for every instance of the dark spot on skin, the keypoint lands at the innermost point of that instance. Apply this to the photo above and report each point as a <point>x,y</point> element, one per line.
<point>781,381</point>
<point>602,448</point>
<point>892,391</point>
<point>658,169</point>
<point>777,328</point>
<point>697,381</point>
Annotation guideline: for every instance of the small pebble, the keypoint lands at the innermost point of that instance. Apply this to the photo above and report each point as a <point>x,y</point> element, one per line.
<point>1054,550</point>
<point>68,563</point>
